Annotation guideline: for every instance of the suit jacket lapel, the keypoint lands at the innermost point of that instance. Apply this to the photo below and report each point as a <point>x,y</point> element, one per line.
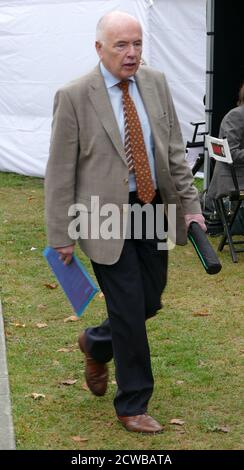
<point>99,97</point>
<point>148,97</point>
<point>152,106</point>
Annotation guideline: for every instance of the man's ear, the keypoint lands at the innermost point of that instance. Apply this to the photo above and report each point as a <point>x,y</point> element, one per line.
<point>98,46</point>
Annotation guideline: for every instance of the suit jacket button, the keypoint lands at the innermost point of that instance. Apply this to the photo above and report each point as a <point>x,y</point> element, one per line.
<point>126,180</point>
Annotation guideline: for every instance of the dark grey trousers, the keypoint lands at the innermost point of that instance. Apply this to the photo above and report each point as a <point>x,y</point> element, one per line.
<point>132,288</point>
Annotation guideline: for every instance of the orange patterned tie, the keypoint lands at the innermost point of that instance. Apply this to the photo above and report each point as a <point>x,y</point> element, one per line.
<point>135,149</point>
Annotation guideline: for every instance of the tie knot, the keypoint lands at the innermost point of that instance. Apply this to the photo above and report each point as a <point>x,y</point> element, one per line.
<point>124,85</point>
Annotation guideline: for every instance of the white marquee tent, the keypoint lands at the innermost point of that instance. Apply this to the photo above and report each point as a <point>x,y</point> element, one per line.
<point>46,43</point>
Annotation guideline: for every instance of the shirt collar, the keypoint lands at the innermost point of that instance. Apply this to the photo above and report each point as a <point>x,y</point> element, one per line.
<point>109,78</point>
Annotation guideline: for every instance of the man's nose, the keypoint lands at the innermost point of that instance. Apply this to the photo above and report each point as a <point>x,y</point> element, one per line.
<point>131,51</point>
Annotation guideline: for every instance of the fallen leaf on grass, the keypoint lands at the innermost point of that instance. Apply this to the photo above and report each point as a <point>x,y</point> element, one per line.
<point>68,382</point>
<point>41,325</point>
<point>202,364</point>
<point>36,396</point>
<point>7,333</point>
<point>219,429</point>
<point>79,439</point>
<point>113,382</point>
<point>101,295</point>
<point>178,422</point>
<point>41,306</point>
<point>51,286</point>
<point>30,198</point>
<point>71,348</point>
<point>201,314</point>
<point>179,382</point>
<point>65,350</point>
<point>85,387</point>
<point>72,318</point>
<point>168,341</point>
<point>18,325</point>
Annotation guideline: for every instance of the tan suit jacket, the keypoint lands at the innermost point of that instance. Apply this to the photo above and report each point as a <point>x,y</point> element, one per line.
<point>87,158</point>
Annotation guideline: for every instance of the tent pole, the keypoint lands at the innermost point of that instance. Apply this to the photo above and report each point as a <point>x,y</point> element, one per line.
<point>209,84</point>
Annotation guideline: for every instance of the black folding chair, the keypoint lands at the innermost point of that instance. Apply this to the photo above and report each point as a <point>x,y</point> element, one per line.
<point>220,151</point>
<point>195,149</point>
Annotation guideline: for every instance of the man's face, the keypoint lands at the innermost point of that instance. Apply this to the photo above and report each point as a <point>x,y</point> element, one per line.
<point>120,52</point>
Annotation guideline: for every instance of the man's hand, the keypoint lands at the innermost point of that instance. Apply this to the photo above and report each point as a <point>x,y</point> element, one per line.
<point>195,218</point>
<point>66,253</point>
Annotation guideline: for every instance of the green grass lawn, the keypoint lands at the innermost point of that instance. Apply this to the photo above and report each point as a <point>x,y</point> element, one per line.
<point>196,346</point>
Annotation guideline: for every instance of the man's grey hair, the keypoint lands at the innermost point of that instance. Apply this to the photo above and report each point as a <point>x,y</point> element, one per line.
<point>106,19</point>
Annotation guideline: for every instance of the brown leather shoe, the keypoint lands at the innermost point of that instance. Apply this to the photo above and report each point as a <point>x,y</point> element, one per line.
<point>96,373</point>
<point>140,423</point>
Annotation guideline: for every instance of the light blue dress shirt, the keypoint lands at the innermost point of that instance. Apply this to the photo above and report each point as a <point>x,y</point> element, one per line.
<point>115,95</point>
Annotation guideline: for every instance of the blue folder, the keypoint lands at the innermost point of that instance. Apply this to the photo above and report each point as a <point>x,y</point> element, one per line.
<point>73,278</point>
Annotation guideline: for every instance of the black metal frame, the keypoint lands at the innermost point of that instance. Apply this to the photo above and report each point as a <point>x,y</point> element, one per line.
<point>200,159</point>
<point>228,222</point>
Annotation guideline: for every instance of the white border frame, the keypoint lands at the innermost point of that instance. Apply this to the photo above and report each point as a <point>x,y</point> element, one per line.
<point>226,158</point>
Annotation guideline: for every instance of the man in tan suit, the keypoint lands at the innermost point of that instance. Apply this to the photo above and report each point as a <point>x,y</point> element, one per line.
<point>116,136</point>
